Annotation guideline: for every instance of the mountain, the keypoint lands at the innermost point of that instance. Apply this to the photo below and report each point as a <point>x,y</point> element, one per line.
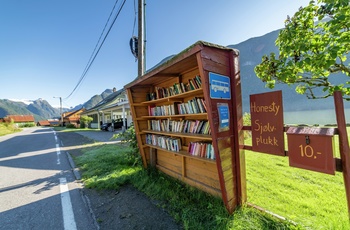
<point>251,52</point>
<point>41,109</point>
<point>94,100</point>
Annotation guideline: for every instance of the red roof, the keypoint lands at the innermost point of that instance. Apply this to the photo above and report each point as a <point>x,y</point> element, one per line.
<point>20,118</point>
<point>44,123</point>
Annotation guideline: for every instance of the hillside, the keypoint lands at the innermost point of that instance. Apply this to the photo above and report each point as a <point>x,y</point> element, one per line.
<point>41,109</point>
<point>251,52</point>
<point>94,100</point>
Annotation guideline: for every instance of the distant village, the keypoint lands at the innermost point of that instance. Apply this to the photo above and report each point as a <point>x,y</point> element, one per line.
<point>113,112</point>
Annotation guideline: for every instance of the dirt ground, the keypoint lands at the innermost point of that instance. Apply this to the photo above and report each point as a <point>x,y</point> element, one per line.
<point>124,209</point>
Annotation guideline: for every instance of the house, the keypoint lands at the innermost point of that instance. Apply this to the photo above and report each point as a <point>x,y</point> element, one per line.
<point>54,122</point>
<point>113,109</point>
<point>43,123</point>
<point>20,120</point>
<point>72,117</point>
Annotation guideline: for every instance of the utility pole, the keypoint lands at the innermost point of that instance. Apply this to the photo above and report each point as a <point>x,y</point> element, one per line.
<point>60,109</point>
<point>141,38</point>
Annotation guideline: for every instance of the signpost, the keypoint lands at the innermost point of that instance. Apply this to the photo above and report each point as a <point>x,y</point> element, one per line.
<point>311,148</point>
<point>219,86</point>
<point>267,123</point>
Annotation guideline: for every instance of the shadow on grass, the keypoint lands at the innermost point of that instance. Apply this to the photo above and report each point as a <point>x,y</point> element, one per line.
<point>111,166</point>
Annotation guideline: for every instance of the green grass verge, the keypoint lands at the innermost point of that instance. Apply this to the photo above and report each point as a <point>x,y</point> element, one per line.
<point>8,128</point>
<point>309,200</point>
<point>64,129</point>
<point>111,166</point>
<point>315,200</point>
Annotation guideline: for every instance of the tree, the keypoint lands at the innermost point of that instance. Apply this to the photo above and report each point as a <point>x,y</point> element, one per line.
<point>313,46</point>
<point>85,120</point>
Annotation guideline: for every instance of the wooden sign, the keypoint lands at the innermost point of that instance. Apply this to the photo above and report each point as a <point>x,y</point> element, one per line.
<point>311,148</point>
<point>267,123</point>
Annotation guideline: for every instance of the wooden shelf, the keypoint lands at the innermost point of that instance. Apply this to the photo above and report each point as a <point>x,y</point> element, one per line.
<point>181,153</point>
<point>189,115</point>
<point>195,92</point>
<point>214,65</point>
<point>186,135</point>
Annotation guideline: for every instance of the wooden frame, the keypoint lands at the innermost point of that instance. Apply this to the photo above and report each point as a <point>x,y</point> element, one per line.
<point>223,176</point>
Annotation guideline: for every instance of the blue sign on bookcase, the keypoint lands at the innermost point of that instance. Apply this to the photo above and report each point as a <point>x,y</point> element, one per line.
<point>219,86</point>
<point>224,117</point>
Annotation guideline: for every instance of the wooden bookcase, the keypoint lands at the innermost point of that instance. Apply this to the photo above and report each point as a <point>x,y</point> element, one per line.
<point>163,136</point>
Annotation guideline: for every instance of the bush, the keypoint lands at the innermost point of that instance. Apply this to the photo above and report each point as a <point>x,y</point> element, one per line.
<point>129,137</point>
<point>8,127</point>
<point>27,124</point>
<point>70,126</point>
<point>84,121</point>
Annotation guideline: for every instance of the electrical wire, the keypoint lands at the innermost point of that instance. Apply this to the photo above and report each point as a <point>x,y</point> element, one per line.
<point>94,54</point>
<point>135,15</point>
<point>133,43</point>
<point>99,39</point>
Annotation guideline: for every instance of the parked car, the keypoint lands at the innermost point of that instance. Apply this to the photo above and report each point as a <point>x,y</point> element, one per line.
<point>117,125</point>
<point>106,126</point>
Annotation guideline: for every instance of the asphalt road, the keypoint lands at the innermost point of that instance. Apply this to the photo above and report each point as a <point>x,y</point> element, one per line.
<point>37,186</point>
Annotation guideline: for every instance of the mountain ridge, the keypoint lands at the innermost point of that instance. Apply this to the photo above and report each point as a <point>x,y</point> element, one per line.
<point>41,109</point>
<point>251,52</point>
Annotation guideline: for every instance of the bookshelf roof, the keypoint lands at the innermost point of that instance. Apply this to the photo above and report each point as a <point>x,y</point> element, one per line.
<point>176,65</point>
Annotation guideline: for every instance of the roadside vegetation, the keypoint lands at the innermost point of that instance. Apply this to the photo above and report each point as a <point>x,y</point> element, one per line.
<point>74,129</point>
<point>307,200</point>
<point>8,128</point>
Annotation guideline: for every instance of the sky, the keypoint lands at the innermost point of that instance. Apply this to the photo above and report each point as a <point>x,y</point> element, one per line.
<point>45,45</point>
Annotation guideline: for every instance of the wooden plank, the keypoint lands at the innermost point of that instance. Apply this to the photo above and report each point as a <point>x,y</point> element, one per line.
<point>169,161</point>
<point>216,55</point>
<point>137,130</point>
<point>343,143</point>
<point>220,68</point>
<point>140,111</point>
<point>183,166</point>
<point>201,186</point>
<point>210,166</point>
<point>203,176</point>
<point>153,157</point>
<point>190,75</point>
<point>240,167</point>
<point>228,174</point>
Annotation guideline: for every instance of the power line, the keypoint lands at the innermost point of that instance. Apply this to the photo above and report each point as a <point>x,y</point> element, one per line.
<point>135,14</point>
<point>99,39</point>
<point>93,56</point>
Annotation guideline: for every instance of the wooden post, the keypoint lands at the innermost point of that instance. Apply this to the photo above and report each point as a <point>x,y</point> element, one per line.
<point>343,143</point>
<point>141,38</point>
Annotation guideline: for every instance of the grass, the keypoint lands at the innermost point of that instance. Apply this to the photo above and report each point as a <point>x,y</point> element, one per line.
<point>107,166</point>
<point>8,128</point>
<point>65,129</point>
<point>315,200</point>
<point>309,200</point>
<point>111,166</point>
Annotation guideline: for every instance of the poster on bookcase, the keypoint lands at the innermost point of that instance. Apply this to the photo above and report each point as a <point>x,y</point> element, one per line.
<point>224,117</point>
<point>266,112</point>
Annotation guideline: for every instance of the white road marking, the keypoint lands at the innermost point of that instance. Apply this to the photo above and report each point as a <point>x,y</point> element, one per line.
<point>58,151</point>
<point>67,209</point>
